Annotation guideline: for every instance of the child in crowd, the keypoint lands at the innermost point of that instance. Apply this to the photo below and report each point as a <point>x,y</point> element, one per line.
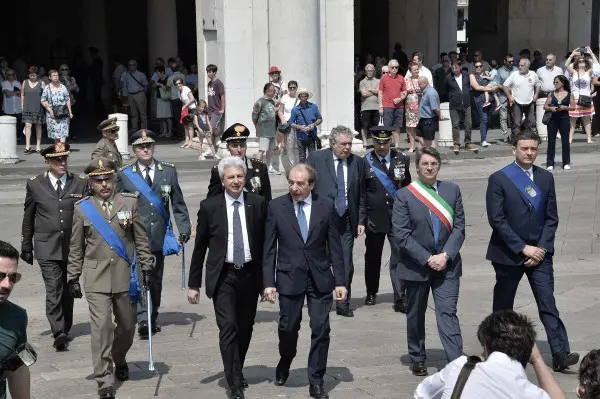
<point>203,130</point>
<point>491,77</point>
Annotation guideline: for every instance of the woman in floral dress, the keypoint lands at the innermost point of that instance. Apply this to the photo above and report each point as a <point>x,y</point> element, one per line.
<point>56,96</point>
<point>411,104</point>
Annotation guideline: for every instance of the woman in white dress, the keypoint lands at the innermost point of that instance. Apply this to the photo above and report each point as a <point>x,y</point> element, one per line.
<point>163,103</point>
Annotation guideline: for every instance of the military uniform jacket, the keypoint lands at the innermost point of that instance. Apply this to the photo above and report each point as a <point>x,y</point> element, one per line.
<point>107,149</point>
<point>165,174</point>
<point>379,204</point>
<point>47,219</point>
<point>257,180</point>
<point>106,272</point>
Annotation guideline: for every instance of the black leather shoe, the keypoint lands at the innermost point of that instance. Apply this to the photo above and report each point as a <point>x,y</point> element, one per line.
<point>236,393</point>
<point>400,306</point>
<point>561,361</point>
<point>244,382</point>
<point>345,312</point>
<point>281,374</point>
<point>143,328</point>
<point>122,373</point>
<point>419,369</point>
<point>317,392</point>
<point>61,342</point>
<point>371,299</point>
<point>106,393</point>
<point>156,328</point>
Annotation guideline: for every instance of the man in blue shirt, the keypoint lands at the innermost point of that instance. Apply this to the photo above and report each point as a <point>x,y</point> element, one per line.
<point>503,73</point>
<point>429,113</point>
<point>305,118</point>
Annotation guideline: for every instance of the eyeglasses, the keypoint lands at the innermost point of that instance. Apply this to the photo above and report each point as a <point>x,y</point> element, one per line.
<point>549,59</point>
<point>477,66</point>
<point>394,67</point>
<point>64,69</point>
<point>12,277</point>
<point>292,87</point>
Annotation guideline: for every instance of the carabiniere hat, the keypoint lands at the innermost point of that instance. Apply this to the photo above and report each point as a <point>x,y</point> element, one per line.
<point>235,132</point>
<point>108,125</point>
<point>100,168</point>
<point>381,133</point>
<point>56,150</point>
<point>143,136</point>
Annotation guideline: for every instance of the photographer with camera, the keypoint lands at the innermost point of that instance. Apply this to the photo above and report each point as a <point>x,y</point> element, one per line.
<point>580,69</point>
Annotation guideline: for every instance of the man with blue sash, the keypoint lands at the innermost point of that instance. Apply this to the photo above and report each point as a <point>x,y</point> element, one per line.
<point>157,184</point>
<point>109,240</point>
<point>386,171</point>
<point>522,211</point>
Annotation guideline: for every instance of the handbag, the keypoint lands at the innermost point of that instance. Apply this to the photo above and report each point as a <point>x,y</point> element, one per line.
<point>185,116</point>
<point>170,244</point>
<point>546,118</point>
<point>59,111</point>
<point>584,101</point>
<point>165,94</point>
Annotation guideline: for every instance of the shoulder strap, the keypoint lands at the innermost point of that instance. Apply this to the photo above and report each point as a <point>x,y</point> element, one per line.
<point>147,192</point>
<point>138,82</point>
<point>465,372</point>
<point>526,187</point>
<point>382,176</point>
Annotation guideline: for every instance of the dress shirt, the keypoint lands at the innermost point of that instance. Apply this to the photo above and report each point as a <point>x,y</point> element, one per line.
<point>143,169</point>
<point>131,85</point>
<point>429,102</point>
<point>499,377</point>
<point>54,180</point>
<point>547,76</point>
<point>229,200</point>
<point>345,166</point>
<point>306,208</point>
<point>528,172</point>
<point>459,80</point>
<point>388,158</point>
<point>523,86</point>
<point>423,71</point>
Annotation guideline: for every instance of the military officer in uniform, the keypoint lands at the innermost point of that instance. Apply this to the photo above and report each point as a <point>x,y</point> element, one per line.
<point>257,177</point>
<point>386,171</point>
<point>107,146</point>
<point>46,231</point>
<point>154,179</point>
<point>109,260</point>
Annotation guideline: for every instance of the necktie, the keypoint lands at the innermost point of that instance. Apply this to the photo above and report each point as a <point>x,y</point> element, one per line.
<point>106,205</point>
<point>59,189</point>
<point>529,174</point>
<point>435,224</point>
<point>340,200</point>
<point>238,239</point>
<point>384,164</point>
<point>148,178</point>
<point>302,221</point>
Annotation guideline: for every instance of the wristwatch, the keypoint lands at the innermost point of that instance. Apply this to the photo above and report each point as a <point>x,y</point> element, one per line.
<point>446,255</point>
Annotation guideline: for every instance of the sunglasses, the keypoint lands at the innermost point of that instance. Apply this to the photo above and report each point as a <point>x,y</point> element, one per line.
<point>477,66</point>
<point>64,69</point>
<point>12,277</point>
<point>394,67</point>
<point>292,87</point>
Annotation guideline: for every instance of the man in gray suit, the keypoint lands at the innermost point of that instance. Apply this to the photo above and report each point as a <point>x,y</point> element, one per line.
<point>428,226</point>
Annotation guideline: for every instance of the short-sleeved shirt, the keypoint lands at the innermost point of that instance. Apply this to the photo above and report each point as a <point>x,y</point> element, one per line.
<point>264,112</point>
<point>215,90</point>
<point>369,103</point>
<point>12,105</point>
<point>391,88</point>
<point>523,86</point>
<point>429,102</point>
<point>547,76</point>
<point>13,334</point>
<point>289,103</point>
<point>501,77</point>
<point>304,116</point>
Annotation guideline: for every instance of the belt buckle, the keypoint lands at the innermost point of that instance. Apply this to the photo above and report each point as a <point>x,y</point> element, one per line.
<point>238,267</point>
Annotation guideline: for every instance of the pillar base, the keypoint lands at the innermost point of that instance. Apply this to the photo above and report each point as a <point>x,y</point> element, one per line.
<point>123,140</point>
<point>445,127</point>
<point>8,140</point>
<point>539,114</point>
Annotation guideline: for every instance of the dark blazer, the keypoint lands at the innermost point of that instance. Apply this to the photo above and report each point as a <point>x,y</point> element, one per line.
<point>326,185</point>
<point>515,222</point>
<point>412,231</point>
<point>439,83</point>
<point>288,259</point>
<point>48,218</point>
<point>164,174</point>
<point>378,204</point>
<point>211,235</point>
<point>257,170</point>
<point>459,99</point>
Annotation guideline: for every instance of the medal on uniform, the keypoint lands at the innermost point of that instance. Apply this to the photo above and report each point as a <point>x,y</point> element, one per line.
<point>165,190</point>
<point>531,191</point>
<point>125,218</point>
<point>398,173</point>
<point>255,183</point>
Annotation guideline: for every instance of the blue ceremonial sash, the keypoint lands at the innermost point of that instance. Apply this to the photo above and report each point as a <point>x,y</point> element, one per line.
<point>382,176</point>
<point>117,245</point>
<point>526,187</point>
<point>170,244</point>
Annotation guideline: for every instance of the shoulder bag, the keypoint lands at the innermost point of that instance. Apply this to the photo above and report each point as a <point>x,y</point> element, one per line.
<point>59,111</point>
<point>461,381</point>
<point>287,126</point>
<point>584,101</point>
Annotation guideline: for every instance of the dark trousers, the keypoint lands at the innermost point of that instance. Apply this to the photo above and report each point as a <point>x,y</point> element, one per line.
<point>59,304</point>
<point>562,125</point>
<point>176,106</point>
<point>290,316</point>
<point>347,247</point>
<point>445,297</point>
<point>373,249</point>
<point>541,280</point>
<point>518,110</point>
<point>304,149</point>
<point>235,302</point>
<point>155,290</point>
<point>456,116</point>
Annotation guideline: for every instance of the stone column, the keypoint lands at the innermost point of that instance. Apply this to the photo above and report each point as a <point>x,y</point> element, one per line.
<point>580,23</point>
<point>162,30</point>
<point>445,127</point>
<point>123,140</point>
<point>539,114</point>
<point>8,139</point>
<point>447,10</point>
<point>94,33</point>
<point>200,50</point>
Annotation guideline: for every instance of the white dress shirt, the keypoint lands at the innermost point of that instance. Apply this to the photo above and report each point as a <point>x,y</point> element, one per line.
<point>459,80</point>
<point>229,200</point>
<point>306,208</point>
<point>528,172</point>
<point>54,180</point>
<point>143,169</point>
<point>345,166</point>
<point>424,72</point>
<point>499,377</point>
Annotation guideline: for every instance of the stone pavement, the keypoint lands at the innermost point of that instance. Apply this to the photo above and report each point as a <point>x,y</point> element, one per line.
<point>368,356</point>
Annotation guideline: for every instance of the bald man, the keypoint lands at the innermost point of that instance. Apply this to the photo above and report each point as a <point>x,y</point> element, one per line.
<point>429,114</point>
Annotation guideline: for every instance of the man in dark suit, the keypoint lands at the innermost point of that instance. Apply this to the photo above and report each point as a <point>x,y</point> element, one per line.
<point>386,171</point>
<point>460,105</point>
<point>439,78</point>
<point>257,175</point>
<point>297,263</point>
<point>428,226</point>
<point>231,226</point>
<point>340,178</point>
<point>46,230</point>
<point>521,208</point>
<point>162,179</point>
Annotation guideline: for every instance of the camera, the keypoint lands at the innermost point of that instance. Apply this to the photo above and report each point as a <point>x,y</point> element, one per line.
<point>581,50</point>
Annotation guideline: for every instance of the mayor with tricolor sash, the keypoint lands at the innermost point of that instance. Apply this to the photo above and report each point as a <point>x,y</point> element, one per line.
<point>428,225</point>
<point>522,211</point>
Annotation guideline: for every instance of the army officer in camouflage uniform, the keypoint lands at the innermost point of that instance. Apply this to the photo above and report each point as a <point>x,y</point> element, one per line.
<point>107,279</point>
<point>161,177</point>
<point>107,146</point>
<point>257,177</point>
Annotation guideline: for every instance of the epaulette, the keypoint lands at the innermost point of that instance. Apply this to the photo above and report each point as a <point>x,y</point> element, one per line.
<point>33,178</point>
<point>167,164</point>
<point>83,199</point>
<point>83,176</point>
<point>135,194</point>
<point>216,166</point>
<point>257,161</point>
<point>126,166</point>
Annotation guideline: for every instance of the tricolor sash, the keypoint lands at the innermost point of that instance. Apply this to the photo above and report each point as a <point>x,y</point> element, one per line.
<point>432,200</point>
<point>525,186</point>
<point>117,245</point>
<point>382,176</point>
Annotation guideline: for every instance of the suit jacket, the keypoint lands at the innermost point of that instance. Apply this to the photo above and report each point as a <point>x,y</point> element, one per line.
<point>107,149</point>
<point>439,83</point>
<point>48,218</point>
<point>106,272</point>
<point>326,184</point>
<point>164,174</point>
<point>288,260</point>
<point>459,99</point>
<point>378,204</point>
<point>514,221</point>
<point>413,234</point>
<point>211,235</point>
<point>257,172</point>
